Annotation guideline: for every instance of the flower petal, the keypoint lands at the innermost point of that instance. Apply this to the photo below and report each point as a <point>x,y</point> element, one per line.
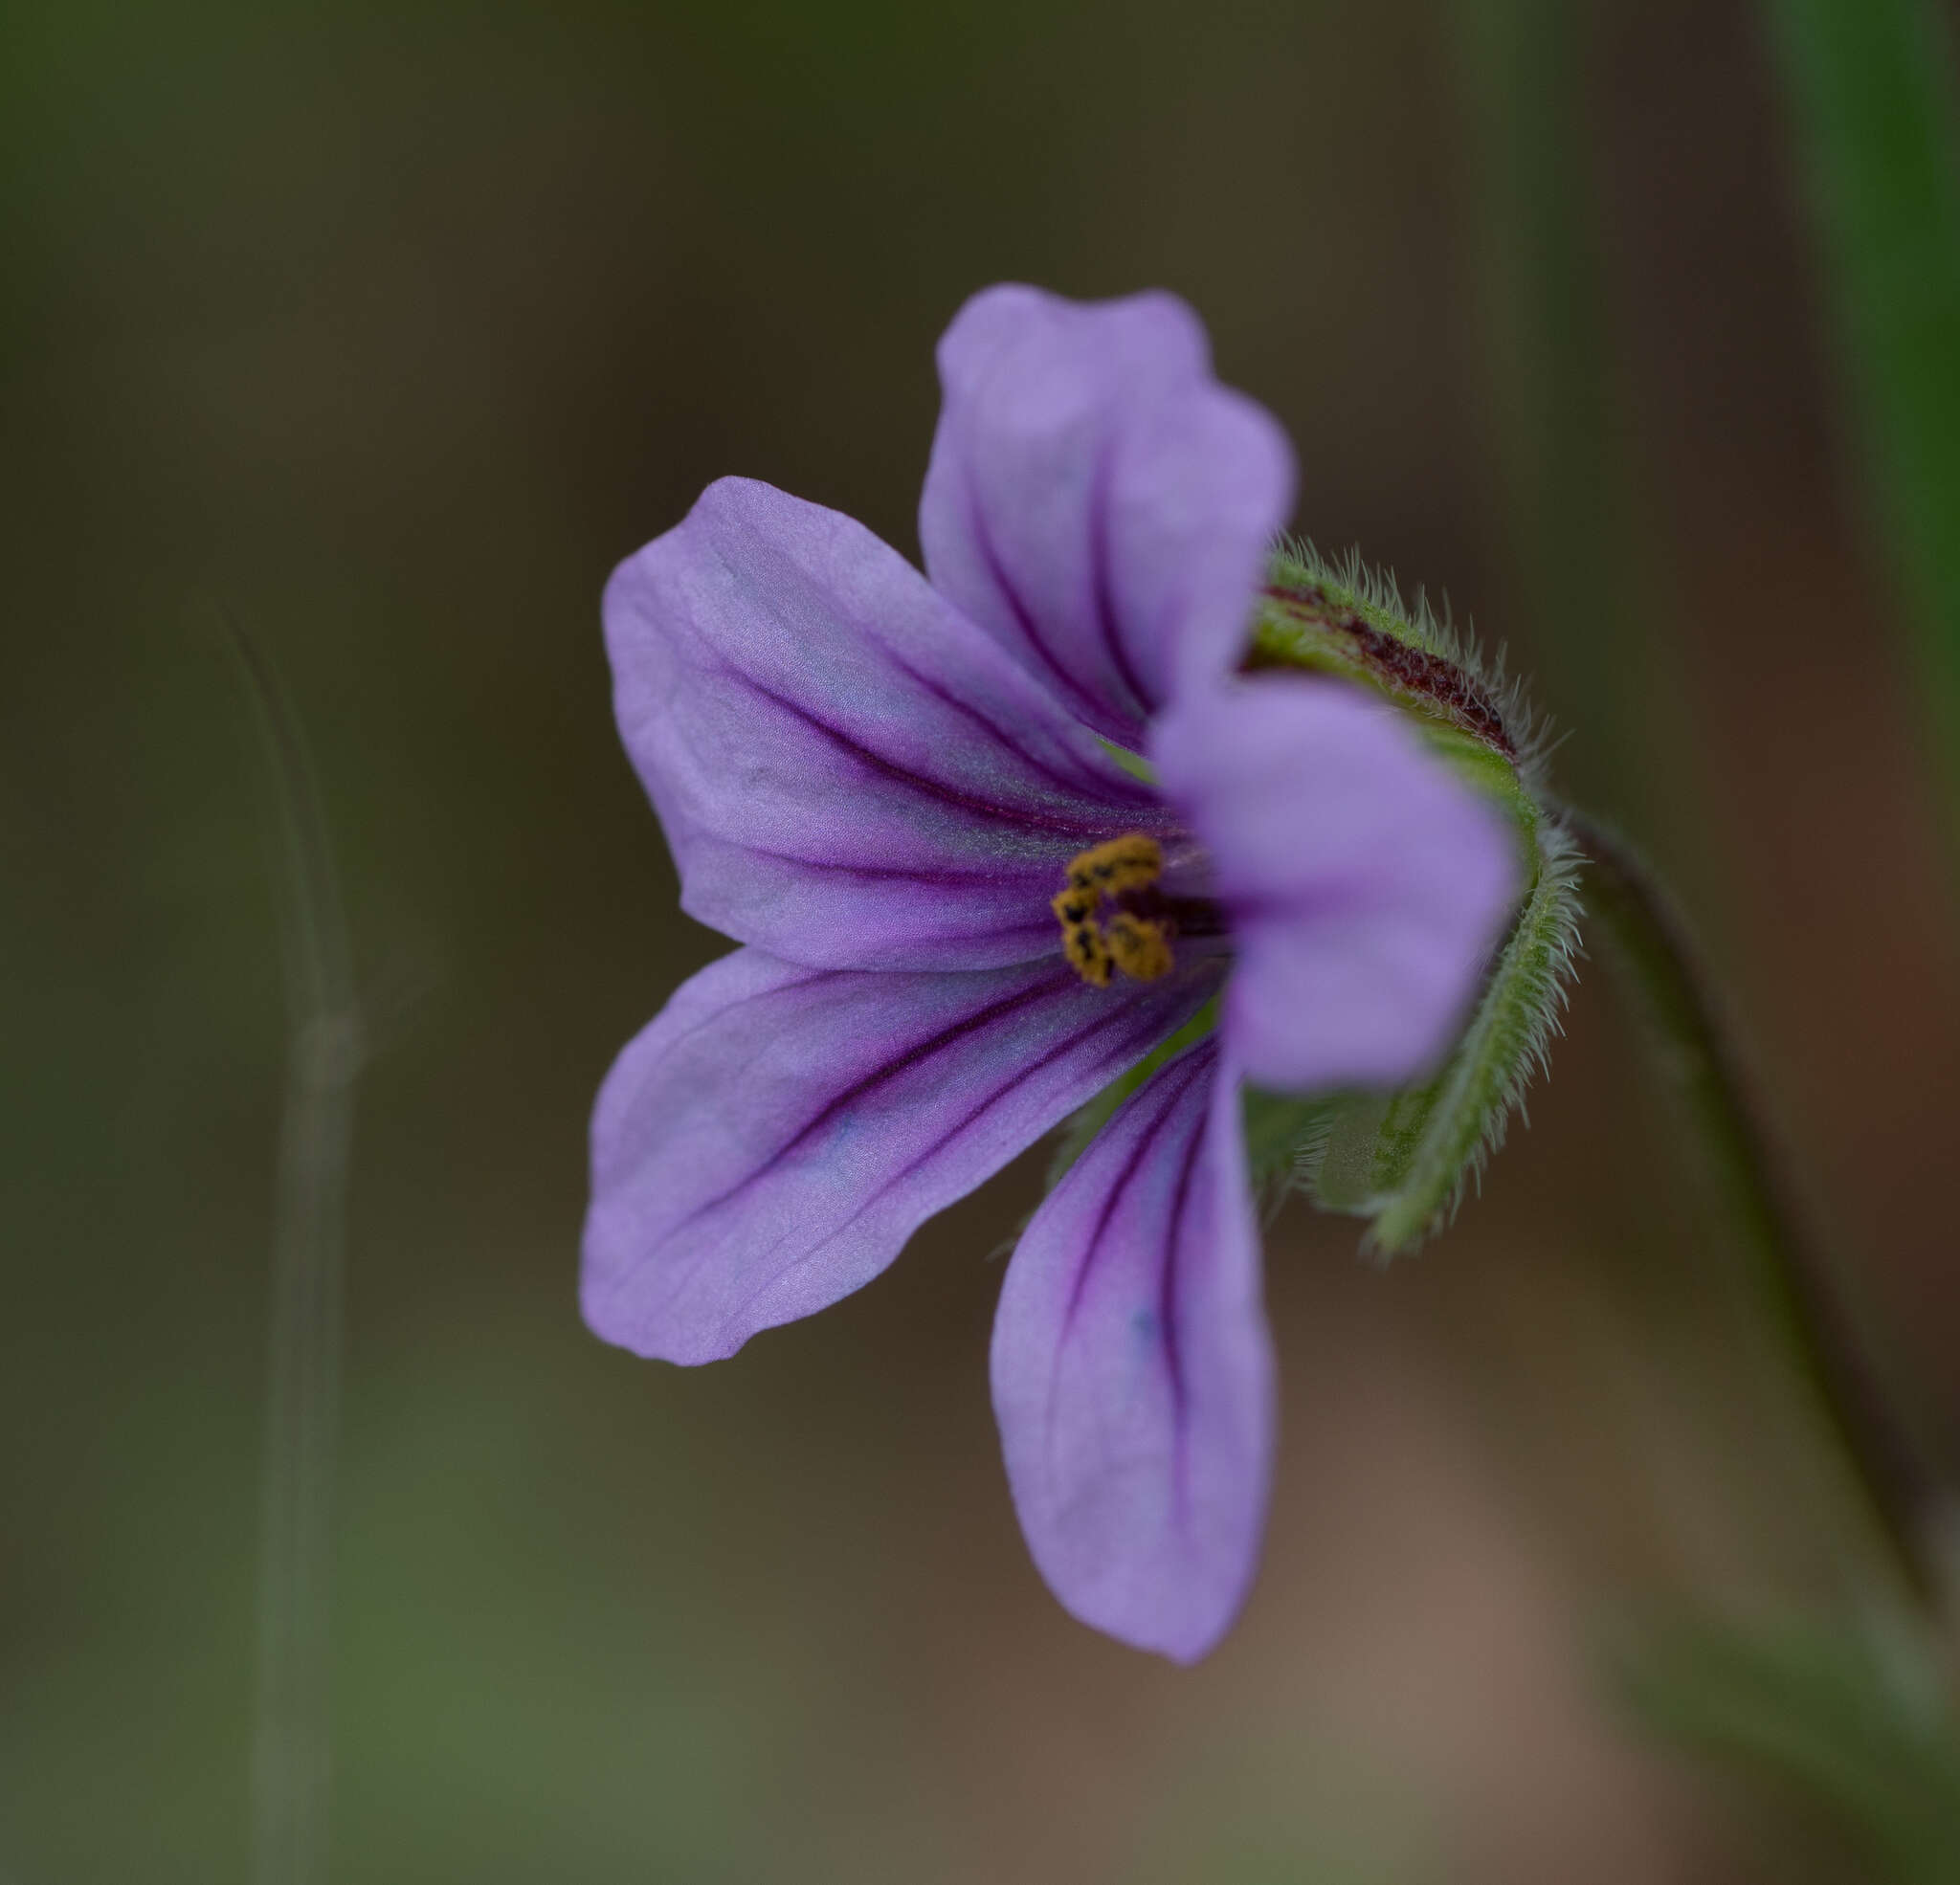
<point>850,774</point>
<point>769,1143</point>
<point>1096,500</point>
<point>1133,1374</point>
<point>1365,884</point>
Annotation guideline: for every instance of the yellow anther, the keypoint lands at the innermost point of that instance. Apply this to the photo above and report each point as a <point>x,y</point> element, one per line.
<point>1138,945</point>
<point>1125,863</point>
<point>1084,947</point>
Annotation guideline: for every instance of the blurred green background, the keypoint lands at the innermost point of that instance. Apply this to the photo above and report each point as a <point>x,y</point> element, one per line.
<point>388,330</point>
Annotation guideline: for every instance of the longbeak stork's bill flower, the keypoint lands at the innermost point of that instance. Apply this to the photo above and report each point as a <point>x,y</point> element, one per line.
<point>962,915</point>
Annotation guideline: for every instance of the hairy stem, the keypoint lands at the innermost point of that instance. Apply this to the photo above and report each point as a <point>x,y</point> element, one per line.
<point>290,1752</point>
<point>1652,946</point>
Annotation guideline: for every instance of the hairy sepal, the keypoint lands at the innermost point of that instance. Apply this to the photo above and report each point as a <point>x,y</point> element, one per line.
<point>1403,1160</point>
<point>1347,621</point>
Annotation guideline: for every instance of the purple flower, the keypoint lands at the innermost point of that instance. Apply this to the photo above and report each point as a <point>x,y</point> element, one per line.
<point>962,917</point>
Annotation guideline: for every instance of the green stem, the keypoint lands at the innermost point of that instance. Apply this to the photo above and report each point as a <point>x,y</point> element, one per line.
<point>1652,946</point>
<point>290,1765</point>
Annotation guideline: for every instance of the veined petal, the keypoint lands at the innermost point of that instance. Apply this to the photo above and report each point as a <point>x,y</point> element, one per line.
<point>1096,498</point>
<point>769,1143</point>
<point>1366,886</point>
<point>1133,1372</point>
<point>850,774</point>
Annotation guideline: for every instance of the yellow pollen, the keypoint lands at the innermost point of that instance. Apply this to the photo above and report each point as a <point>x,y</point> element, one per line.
<point>1141,948</point>
<point>1125,863</point>
<point>1138,945</point>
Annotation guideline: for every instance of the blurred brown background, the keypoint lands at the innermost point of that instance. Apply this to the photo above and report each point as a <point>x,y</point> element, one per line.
<point>388,329</point>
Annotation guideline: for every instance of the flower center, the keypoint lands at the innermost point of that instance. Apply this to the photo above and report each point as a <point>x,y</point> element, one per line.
<point>1112,916</point>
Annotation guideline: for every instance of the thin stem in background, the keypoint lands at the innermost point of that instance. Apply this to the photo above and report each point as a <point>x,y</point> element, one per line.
<point>1907,1499</point>
<point>1871,94</point>
<point>290,1753</point>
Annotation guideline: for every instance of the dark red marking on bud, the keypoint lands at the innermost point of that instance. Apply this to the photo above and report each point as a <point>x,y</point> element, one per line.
<point>1397,664</point>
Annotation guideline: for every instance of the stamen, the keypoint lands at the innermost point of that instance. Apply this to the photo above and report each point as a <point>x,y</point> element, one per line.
<point>1140,947</point>
<point>1138,944</point>
<point>1125,863</point>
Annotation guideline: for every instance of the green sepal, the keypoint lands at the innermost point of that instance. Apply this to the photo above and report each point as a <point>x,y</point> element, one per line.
<point>1351,623</point>
<point>1404,1159</point>
<point>1285,1135</point>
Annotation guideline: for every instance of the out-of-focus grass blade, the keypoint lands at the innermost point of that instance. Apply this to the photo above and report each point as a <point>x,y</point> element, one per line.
<point>1871,91</point>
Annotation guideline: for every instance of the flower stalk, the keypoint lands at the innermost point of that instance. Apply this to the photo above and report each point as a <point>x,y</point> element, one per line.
<point>1650,943</point>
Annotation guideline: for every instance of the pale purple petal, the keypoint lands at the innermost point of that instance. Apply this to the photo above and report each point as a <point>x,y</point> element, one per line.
<point>1133,1374</point>
<point>849,772</point>
<point>1096,498</point>
<point>1365,884</point>
<point>770,1141</point>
